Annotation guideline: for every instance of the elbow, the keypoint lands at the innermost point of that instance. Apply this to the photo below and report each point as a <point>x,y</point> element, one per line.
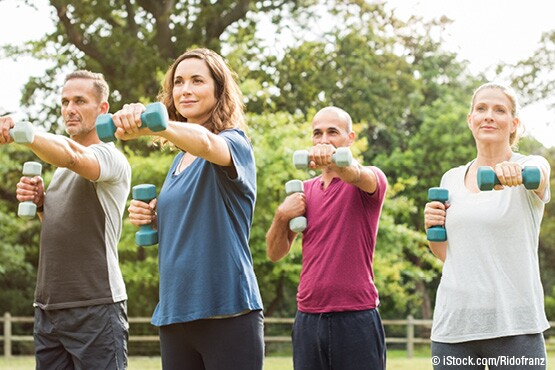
<point>272,256</point>
<point>205,146</point>
<point>71,160</point>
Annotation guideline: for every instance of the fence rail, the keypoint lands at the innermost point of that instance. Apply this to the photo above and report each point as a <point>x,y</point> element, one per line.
<point>410,339</point>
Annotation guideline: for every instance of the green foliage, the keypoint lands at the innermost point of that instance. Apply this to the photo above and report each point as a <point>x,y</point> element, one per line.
<point>275,137</point>
<point>407,96</point>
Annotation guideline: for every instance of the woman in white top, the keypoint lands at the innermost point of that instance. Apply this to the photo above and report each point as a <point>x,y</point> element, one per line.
<point>489,306</point>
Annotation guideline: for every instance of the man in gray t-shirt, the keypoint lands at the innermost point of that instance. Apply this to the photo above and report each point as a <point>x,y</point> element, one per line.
<point>80,297</point>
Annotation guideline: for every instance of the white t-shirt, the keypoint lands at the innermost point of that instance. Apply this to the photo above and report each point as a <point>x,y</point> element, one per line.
<point>490,286</point>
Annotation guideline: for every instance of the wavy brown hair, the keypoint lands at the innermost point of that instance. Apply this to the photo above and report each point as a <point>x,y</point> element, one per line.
<point>229,109</point>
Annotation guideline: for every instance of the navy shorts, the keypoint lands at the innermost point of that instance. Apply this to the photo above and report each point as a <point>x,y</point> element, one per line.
<point>353,340</point>
<point>82,338</point>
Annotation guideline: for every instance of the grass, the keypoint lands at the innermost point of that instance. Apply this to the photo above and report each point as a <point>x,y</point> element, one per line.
<point>396,359</point>
<point>396,362</point>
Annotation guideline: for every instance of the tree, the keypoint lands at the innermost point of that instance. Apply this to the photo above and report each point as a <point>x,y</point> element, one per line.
<point>133,42</point>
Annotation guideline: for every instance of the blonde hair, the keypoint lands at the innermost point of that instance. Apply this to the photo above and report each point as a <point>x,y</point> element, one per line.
<point>510,93</point>
<point>229,109</point>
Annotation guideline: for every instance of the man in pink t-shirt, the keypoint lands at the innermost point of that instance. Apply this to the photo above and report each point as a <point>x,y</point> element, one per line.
<point>337,324</point>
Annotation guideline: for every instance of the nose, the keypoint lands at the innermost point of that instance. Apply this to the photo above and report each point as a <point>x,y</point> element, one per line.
<point>324,139</point>
<point>185,88</point>
<point>71,107</point>
<point>489,114</point>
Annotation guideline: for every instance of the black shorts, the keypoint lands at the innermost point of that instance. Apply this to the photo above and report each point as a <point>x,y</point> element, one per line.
<point>234,343</point>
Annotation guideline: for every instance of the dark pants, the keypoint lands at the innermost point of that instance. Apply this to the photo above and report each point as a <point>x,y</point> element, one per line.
<point>519,352</point>
<point>82,338</point>
<point>352,340</point>
<point>235,343</point>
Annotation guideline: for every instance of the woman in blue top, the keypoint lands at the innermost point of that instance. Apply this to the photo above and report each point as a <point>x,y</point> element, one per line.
<point>210,310</point>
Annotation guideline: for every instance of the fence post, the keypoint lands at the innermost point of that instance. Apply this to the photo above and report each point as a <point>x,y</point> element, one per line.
<point>410,336</point>
<point>7,335</point>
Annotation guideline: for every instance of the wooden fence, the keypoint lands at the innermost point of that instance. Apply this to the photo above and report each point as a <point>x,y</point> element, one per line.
<point>409,340</point>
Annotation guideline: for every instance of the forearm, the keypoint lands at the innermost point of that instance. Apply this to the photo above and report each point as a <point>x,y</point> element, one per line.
<point>279,238</point>
<point>61,151</point>
<point>359,176</point>
<point>198,141</point>
<point>439,249</point>
<point>53,149</point>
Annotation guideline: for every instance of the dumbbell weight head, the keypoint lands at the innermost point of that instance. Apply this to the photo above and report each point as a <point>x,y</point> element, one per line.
<point>342,157</point>
<point>294,186</point>
<point>23,132</point>
<point>155,117</point>
<point>105,128</point>
<point>144,192</point>
<point>437,233</point>
<point>531,177</point>
<point>28,209</point>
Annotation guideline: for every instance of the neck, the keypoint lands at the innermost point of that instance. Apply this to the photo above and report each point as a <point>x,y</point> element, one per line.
<point>86,140</point>
<point>490,155</point>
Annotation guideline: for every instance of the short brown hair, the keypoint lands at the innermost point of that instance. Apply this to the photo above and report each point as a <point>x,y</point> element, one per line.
<point>100,85</point>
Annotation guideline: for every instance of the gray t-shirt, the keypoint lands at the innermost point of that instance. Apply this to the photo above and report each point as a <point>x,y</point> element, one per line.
<point>490,286</point>
<point>81,227</point>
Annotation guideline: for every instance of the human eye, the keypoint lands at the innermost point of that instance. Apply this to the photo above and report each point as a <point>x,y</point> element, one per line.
<point>177,81</point>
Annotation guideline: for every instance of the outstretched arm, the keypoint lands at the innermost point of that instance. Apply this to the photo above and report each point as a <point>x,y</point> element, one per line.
<point>62,151</point>
<point>193,138</point>
<point>57,150</point>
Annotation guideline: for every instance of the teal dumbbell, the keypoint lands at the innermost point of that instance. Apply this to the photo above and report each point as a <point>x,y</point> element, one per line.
<point>146,235</point>
<point>437,233</point>
<point>342,157</point>
<point>487,178</point>
<point>28,209</point>
<point>297,224</point>
<point>23,132</point>
<point>155,117</point>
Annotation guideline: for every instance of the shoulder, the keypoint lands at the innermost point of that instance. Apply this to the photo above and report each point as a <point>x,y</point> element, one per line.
<point>530,160</point>
<point>107,149</point>
<point>237,140</point>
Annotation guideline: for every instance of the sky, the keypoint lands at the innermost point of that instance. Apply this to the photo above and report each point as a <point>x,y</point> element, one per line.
<point>484,32</point>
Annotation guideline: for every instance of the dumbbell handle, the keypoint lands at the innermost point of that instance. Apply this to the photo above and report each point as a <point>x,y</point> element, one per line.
<point>342,158</point>
<point>296,224</point>
<point>487,178</point>
<point>437,233</point>
<point>146,235</point>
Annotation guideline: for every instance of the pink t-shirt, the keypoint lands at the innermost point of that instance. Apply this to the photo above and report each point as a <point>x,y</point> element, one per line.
<point>338,246</point>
